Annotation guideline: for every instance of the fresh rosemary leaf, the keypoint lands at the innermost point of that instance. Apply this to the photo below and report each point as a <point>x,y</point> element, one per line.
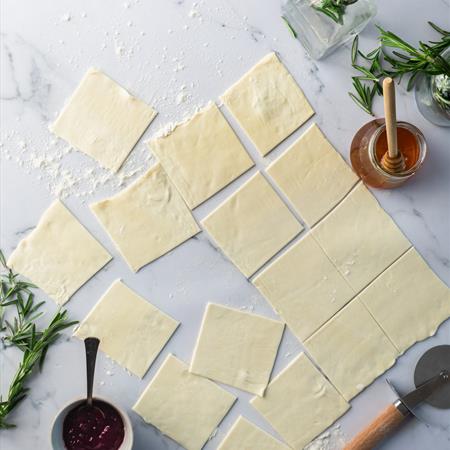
<point>359,103</point>
<point>368,75</point>
<point>290,28</point>
<point>438,29</point>
<point>355,49</point>
<point>402,59</point>
<point>23,333</point>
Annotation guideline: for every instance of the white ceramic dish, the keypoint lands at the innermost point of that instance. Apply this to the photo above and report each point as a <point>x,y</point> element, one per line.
<point>56,434</point>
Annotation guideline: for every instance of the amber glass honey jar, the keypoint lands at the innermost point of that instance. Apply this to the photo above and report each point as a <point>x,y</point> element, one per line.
<point>370,144</point>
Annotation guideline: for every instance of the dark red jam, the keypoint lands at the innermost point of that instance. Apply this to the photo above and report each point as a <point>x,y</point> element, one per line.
<point>98,427</point>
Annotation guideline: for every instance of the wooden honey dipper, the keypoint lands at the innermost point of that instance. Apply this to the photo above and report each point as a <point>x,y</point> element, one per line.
<point>393,160</point>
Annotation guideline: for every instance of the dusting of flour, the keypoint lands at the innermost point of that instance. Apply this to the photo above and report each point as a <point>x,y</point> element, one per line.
<point>332,439</point>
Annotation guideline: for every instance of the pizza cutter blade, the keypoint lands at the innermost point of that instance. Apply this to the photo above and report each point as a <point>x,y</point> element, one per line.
<point>432,362</point>
<point>432,380</point>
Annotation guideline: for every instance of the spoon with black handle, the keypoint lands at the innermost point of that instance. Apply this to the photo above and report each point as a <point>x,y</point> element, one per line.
<point>91,346</point>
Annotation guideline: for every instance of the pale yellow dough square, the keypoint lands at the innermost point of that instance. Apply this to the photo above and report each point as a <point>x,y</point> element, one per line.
<point>245,435</point>
<point>360,238</point>
<point>59,255</point>
<point>300,403</point>
<point>103,120</point>
<point>147,219</point>
<point>351,349</point>
<point>408,301</point>
<point>237,348</point>
<point>131,330</point>
<point>202,156</point>
<point>304,287</point>
<point>252,225</point>
<point>183,406</point>
<point>267,103</point>
<point>312,175</point>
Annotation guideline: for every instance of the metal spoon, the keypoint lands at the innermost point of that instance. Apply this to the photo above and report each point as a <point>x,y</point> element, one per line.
<point>91,346</point>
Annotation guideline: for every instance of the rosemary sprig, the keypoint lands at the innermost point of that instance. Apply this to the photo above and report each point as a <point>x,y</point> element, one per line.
<point>334,9</point>
<point>405,60</point>
<point>22,332</point>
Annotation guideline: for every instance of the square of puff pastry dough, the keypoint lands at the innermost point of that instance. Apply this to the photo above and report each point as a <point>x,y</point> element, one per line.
<point>360,238</point>
<point>147,219</point>
<point>244,435</point>
<point>267,103</point>
<point>351,349</point>
<point>252,225</point>
<point>202,155</point>
<point>103,120</point>
<point>236,348</point>
<point>131,330</point>
<point>408,300</point>
<point>183,406</point>
<point>300,403</point>
<point>304,287</point>
<point>59,255</point>
<point>312,175</point>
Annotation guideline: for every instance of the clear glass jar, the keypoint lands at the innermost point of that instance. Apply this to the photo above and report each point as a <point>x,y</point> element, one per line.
<point>370,144</point>
<point>318,33</point>
<point>432,94</point>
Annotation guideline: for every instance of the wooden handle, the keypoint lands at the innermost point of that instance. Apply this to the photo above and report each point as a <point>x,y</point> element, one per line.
<point>387,422</point>
<point>390,116</point>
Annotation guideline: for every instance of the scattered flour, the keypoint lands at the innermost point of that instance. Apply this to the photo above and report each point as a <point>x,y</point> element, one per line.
<point>66,172</point>
<point>332,439</point>
<point>66,17</point>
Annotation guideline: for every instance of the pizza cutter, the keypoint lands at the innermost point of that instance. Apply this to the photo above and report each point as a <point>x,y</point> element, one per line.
<point>432,381</point>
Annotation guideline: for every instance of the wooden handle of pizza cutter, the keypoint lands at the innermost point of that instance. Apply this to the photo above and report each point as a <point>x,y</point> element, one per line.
<point>387,422</point>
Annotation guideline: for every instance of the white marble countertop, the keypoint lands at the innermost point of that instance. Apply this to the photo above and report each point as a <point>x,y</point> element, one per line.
<point>177,55</point>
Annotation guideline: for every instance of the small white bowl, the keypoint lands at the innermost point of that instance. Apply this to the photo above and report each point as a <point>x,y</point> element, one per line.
<point>56,435</point>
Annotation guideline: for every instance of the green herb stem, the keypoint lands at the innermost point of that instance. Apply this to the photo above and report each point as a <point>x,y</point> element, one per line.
<point>22,332</point>
<point>403,60</point>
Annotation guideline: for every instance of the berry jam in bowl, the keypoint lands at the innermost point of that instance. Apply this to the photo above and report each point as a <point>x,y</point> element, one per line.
<point>102,426</point>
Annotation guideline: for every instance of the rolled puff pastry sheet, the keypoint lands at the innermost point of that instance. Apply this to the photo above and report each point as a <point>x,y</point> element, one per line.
<point>351,349</point>
<point>202,155</point>
<point>300,403</point>
<point>360,238</point>
<point>237,348</point>
<point>103,120</point>
<point>244,435</point>
<point>147,219</point>
<point>408,300</point>
<point>59,255</point>
<point>252,225</point>
<point>267,103</point>
<point>183,406</point>
<point>304,287</point>
<point>131,330</point>
<point>312,175</point>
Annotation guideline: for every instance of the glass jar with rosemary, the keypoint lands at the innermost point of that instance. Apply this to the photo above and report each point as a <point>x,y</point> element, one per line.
<point>432,94</point>
<point>425,68</point>
<point>324,25</point>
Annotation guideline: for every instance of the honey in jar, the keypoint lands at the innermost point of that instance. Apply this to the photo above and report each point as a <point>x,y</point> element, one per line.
<point>370,144</point>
